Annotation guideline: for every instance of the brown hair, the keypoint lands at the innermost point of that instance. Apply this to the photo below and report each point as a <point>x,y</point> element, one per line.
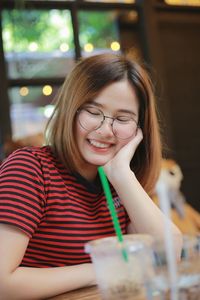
<point>84,83</point>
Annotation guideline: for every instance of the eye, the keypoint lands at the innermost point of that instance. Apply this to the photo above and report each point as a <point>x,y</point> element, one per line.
<point>93,111</point>
<point>124,119</point>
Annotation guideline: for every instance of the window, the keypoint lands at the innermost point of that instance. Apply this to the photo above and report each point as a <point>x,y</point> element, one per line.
<point>41,42</point>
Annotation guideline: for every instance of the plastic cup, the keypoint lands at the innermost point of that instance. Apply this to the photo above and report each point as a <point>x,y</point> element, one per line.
<point>118,278</point>
<point>188,269</point>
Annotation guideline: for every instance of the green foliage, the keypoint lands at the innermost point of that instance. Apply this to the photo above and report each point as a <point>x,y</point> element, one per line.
<point>48,29</point>
<point>98,28</point>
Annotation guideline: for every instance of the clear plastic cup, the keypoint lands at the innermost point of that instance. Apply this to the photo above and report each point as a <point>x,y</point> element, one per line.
<point>188,270</point>
<point>122,269</point>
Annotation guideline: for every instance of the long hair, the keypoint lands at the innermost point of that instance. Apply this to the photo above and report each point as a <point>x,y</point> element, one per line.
<point>88,78</point>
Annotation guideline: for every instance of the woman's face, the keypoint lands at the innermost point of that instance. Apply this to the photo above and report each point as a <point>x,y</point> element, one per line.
<point>100,145</point>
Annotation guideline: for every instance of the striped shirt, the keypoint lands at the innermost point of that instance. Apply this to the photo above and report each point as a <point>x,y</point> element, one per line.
<point>58,210</point>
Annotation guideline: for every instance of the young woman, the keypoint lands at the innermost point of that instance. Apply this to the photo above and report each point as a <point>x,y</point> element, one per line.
<point>51,200</point>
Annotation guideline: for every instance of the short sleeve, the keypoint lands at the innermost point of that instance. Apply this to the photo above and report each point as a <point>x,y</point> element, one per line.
<point>22,196</point>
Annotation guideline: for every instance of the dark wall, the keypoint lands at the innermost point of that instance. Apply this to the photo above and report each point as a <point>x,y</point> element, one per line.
<point>180,44</point>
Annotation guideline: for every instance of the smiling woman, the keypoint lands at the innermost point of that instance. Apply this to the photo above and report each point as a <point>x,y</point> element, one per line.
<point>88,82</point>
<point>100,137</point>
<point>51,200</point>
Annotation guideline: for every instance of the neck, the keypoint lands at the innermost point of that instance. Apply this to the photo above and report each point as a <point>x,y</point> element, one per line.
<point>88,173</point>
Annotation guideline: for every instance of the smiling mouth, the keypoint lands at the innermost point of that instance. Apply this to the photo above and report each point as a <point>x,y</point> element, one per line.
<point>99,144</point>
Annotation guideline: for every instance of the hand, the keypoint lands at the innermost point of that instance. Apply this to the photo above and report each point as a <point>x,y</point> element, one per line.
<point>121,161</point>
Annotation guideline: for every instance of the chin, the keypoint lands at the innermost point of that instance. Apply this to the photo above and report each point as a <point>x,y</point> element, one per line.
<point>97,162</point>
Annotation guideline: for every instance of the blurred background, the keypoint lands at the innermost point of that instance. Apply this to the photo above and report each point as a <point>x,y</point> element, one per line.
<point>40,40</point>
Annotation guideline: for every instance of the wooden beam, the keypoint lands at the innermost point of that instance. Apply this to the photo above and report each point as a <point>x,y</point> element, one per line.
<point>5,123</point>
<point>152,52</point>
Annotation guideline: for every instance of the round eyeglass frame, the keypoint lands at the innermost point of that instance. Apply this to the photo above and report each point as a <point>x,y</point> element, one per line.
<point>101,123</point>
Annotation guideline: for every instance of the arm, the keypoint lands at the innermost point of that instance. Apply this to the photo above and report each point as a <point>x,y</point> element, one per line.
<point>34,283</point>
<point>145,216</point>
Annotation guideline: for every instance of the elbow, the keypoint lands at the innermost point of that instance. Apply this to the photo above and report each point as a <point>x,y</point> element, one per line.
<point>6,291</point>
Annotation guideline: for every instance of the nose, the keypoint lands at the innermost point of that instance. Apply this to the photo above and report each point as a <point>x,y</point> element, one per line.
<point>110,119</point>
<point>106,128</point>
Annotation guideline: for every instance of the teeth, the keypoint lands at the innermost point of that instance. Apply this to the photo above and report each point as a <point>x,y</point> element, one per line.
<point>98,144</point>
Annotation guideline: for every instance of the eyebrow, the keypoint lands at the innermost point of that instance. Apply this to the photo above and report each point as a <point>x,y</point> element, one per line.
<point>120,110</point>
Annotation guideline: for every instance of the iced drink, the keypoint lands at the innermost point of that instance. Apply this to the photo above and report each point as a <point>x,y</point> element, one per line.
<point>122,269</point>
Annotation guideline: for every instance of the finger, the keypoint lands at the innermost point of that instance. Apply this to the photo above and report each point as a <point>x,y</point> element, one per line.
<point>139,135</point>
<point>137,138</point>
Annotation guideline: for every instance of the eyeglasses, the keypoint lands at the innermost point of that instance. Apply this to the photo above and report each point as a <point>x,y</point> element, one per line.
<point>91,118</point>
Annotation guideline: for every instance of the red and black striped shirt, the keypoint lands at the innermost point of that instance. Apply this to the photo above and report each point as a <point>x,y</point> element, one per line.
<point>58,210</point>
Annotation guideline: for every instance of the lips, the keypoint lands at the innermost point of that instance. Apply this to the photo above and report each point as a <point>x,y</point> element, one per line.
<point>100,145</point>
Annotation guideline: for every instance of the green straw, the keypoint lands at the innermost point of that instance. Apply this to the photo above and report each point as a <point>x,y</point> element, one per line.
<point>112,210</point>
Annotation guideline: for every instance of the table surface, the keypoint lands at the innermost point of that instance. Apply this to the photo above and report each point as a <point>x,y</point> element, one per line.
<point>88,293</point>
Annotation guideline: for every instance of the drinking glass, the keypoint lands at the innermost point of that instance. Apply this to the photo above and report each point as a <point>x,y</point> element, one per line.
<point>122,269</point>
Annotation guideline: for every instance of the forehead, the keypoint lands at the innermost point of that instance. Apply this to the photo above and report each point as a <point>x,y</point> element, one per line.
<point>118,96</point>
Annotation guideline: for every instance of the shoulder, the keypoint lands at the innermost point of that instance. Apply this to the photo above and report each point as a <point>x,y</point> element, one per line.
<point>36,153</point>
<point>29,157</point>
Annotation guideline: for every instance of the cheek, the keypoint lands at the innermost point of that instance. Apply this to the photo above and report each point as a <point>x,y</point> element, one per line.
<point>78,129</point>
<point>121,144</point>
<point>80,133</point>
<point>77,135</point>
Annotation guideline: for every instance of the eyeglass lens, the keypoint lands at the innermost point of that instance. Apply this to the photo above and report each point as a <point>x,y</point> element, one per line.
<point>92,118</point>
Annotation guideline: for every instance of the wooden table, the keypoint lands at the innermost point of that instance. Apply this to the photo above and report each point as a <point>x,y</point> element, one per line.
<point>89,293</point>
